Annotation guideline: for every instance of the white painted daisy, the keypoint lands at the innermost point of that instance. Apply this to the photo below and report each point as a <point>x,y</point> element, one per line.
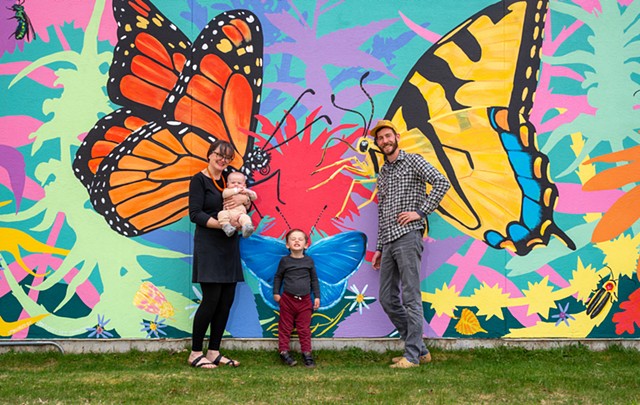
<point>359,299</point>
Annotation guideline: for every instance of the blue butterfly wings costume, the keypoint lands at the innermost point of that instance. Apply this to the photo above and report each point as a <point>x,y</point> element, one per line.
<point>465,107</point>
<point>336,259</point>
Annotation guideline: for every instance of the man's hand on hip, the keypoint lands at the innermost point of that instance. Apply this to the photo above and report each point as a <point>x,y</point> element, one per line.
<point>408,216</point>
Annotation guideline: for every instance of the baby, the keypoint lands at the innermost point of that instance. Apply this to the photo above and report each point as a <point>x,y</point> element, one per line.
<point>236,184</point>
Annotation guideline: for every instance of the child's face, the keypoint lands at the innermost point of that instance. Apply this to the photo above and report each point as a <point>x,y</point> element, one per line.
<point>236,180</point>
<point>297,242</point>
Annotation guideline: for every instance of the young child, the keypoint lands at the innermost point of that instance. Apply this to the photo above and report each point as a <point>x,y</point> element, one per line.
<point>298,275</point>
<point>236,184</point>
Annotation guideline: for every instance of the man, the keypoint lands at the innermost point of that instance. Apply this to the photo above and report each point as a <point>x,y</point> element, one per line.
<point>403,205</point>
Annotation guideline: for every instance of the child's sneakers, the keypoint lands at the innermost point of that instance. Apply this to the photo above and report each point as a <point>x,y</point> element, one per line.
<point>307,359</point>
<point>228,229</point>
<point>287,359</point>
<point>247,230</point>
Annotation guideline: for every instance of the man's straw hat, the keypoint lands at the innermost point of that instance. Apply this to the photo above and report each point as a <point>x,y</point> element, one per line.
<point>383,124</point>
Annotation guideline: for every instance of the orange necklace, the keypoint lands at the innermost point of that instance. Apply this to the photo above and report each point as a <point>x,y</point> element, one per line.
<point>215,183</point>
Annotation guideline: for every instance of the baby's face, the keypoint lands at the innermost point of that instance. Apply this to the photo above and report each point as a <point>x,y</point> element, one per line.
<point>235,180</point>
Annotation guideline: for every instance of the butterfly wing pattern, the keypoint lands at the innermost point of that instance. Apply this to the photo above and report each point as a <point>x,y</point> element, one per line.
<point>177,98</point>
<point>336,258</point>
<point>143,71</point>
<point>261,256</point>
<point>470,96</point>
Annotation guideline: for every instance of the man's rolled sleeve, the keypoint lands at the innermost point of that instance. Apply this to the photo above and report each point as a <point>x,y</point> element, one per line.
<point>439,188</point>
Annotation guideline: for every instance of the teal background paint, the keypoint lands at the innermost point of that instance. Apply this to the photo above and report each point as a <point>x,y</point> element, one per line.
<point>80,278</point>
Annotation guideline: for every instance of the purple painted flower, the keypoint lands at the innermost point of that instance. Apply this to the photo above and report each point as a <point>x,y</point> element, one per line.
<point>154,328</point>
<point>563,315</point>
<point>99,330</point>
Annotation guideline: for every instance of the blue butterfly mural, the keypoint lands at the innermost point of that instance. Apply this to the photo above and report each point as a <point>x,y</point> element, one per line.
<point>336,258</point>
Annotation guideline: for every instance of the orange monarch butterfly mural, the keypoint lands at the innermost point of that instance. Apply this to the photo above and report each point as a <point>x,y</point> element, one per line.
<point>177,98</point>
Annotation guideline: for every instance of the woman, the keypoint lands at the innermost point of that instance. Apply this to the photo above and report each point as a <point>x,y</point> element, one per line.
<point>216,257</point>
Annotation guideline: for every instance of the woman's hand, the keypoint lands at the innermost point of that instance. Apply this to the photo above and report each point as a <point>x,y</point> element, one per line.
<point>234,201</point>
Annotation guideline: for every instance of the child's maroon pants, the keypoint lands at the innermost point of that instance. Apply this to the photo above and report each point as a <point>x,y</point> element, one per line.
<point>295,311</point>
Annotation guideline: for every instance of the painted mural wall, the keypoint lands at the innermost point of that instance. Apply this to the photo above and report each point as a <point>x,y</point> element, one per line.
<point>530,108</point>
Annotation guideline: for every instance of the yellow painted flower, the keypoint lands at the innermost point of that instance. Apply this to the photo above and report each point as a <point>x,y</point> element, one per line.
<point>444,300</point>
<point>621,254</point>
<point>539,297</point>
<point>584,280</point>
<point>490,300</point>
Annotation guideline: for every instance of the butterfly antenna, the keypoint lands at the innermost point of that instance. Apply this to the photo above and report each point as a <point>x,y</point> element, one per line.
<point>318,219</point>
<point>326,146</point>
<point>364,76</point>
<point>333,101</point>
<point>295,103</point>
<point>325,117</point>
<point>283,217</point>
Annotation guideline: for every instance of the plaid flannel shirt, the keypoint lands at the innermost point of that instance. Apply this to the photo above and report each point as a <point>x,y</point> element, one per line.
<point>402,187</point>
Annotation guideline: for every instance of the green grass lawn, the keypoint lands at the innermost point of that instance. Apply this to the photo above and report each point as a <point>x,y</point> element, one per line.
<point>572,375</point>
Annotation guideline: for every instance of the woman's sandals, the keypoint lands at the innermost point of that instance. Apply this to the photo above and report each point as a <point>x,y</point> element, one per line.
<point>229,362</point>
<point>198,363</point>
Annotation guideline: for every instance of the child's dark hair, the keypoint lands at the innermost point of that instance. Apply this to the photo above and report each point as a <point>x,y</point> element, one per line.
<point>306,238</point>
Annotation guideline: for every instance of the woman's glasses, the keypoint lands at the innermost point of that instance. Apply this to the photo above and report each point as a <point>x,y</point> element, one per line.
<point>220,156</point>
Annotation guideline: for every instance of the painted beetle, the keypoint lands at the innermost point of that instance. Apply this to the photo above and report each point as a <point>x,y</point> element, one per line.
<point>604,295</point>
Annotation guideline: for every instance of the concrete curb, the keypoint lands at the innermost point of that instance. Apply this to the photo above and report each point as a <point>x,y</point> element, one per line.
<point>367,344</point>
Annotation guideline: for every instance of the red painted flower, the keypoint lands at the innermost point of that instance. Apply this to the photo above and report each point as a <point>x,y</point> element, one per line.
<point>287,196</point>
<point>627,320</point>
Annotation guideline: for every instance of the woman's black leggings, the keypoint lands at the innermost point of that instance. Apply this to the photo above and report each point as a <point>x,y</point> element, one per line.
<point>217,299</point>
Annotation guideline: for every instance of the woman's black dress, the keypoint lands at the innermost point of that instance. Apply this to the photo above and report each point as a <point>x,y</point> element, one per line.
<point>216,257</point>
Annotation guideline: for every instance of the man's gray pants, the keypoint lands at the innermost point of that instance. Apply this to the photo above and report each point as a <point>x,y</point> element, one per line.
<point>400,274</point>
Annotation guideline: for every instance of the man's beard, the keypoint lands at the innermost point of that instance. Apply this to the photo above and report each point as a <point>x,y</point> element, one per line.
<point>393,148</point>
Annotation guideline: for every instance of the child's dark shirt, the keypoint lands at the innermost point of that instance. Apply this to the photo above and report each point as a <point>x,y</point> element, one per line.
<point>299,276</point>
